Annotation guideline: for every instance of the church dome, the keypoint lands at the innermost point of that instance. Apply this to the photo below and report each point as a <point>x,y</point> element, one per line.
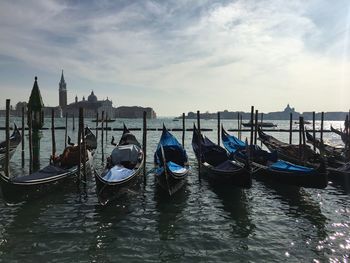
<point>92,97</point>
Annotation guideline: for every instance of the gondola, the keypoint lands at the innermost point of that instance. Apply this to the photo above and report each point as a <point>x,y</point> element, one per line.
<point>335,155</point>
<point>343,135</point>
<point>61,169</point>
<point>123,169</point>
<point>266,166</point>
<point>100,120</point>
<point>216,164</point>
<point>171,163</point>
<point>90,139</point>
<point>297,154</point>
<point>15,140</point>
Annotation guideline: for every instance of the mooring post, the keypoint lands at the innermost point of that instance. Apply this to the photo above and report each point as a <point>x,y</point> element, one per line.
<point>82,129</point>
<point>53,139</point>
<point>303,131</point>
<point>251,125</point>
<point>102,120</point>
<point>240,127</point>
<point>322,120</point>
<point>219,128</point>
<point>183,130</point>
<point>314,128</point>
<point>199,142</point>
<point>30,129</point>
<point>290,127</point>
<point>256,126</point>
<point>22,141</point>
<point>261,120</point>
<point>144,143</point>
<point>96,125</point>
<point>238,135</point>
<point>65,131</point>
<point>80,148</point>
<point>300,136</point>
<point>73,122</point>
<point>7,153</point>
<point>106,125</point>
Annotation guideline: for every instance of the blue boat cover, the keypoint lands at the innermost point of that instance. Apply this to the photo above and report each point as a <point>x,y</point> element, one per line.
<point>286,166</point>
<point>232,143</point>
<point>173,150</point>
<point>118,173</point>
<point>174,168</point>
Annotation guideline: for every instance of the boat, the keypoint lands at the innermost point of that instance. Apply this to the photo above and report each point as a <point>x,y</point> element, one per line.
<point>123,169</point>
<point>175,119</point>
<point>90,139</point>
<point>61,169</point>
<point>297,154</point>
<point>342,134</point>
<point>217,165</point>
<point>15,140</point>
<point>267,167</point>
<point>260,124</point>
<point>100,120</point>
<point>335,155</point>
<point>171,163</point>
<point>305,122</point>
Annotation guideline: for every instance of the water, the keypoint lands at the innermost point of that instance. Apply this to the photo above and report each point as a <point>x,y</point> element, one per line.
<point>200,223</point>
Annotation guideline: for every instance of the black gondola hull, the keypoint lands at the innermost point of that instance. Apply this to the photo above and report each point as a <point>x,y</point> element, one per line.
<point>171,183</point>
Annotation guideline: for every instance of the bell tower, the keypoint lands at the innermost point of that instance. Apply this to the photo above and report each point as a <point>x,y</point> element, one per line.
<point>62,91</point>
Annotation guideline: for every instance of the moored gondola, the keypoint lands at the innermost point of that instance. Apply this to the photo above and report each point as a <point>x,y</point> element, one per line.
<point>62,169</point>
<point>267,166</point>
<point>297,154</point>
<point>90,139</point>
<point>15,140</point>
<point>123,170</point>
<point>216,164</point>
<point>171,163</point>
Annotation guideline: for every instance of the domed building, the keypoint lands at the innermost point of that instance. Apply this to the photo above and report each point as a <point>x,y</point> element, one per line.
<point>92,97</point>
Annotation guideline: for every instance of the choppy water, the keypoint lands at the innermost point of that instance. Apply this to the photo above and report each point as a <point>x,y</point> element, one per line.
<point>200,223</point>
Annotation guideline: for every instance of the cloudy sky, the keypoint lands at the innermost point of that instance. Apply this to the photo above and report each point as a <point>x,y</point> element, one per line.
<point>178,55</point>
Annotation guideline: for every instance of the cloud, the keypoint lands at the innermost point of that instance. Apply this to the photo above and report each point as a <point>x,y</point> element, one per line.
<point>243,52</point>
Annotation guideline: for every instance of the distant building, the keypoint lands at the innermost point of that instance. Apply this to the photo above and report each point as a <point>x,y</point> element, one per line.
<point>62,92</point>
<point>91,106</point>
<point>134,112</point>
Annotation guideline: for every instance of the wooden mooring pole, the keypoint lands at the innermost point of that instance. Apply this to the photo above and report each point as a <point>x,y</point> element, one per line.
<point>240,127</point>
<point>300,137</point>
<point>199,142</point>
<point>218,128</point>
<point>7,153</point>
<point>80,148</point>
<point>102,119</point>
<point>53,139</point>
<point>290,127</point>
<point>183,130</point>
<point>22,141</point>
<point>144,143</point>
<point>73,122</point>
<point>314,128</point>
<point>252,125</point>
<point>261,120</point>
<point>106,125</point>
<point>82,129</point>
<point>238,118</point>
<point>30,128</point>
<point>96,125</point>
<point>256,126</point>
<point>322,120</point>
<point>65,131</point>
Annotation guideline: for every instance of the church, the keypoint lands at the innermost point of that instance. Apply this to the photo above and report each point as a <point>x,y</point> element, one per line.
<point>92,106</point>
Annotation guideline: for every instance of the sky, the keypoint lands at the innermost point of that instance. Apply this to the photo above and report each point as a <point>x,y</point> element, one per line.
<point>178,55</point>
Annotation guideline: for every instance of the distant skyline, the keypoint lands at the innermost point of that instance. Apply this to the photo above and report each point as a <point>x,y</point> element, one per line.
<point>179,56</point>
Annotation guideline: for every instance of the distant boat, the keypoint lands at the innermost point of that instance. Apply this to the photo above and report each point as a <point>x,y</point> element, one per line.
<point>109,120</point>
<point>305,122</point>
<point>261,124</point>
<point>175,119</point>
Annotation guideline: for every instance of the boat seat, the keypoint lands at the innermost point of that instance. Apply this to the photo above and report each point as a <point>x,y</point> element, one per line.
<point>126,155</point>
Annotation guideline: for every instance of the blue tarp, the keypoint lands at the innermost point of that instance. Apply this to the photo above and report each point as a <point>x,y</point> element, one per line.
<point>118,173</point>
<point>173,150</point>
<point>286,166</point>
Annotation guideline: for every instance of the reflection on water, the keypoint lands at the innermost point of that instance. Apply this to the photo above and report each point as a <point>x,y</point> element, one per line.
<point>236,204</point>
